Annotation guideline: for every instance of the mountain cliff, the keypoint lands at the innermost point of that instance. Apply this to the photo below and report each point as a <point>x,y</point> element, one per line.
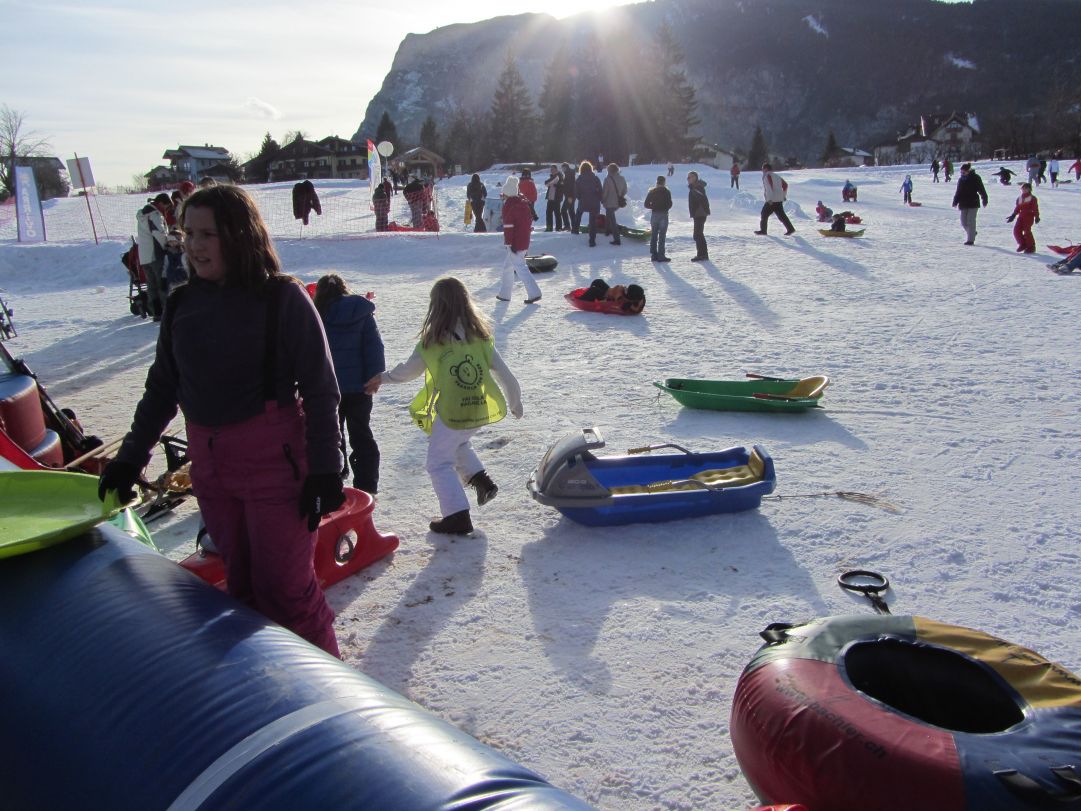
<point>800,68</point>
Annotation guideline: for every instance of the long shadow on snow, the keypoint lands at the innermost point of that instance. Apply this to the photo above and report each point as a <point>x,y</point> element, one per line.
<point>702,570</point>
<point>745,297</point>
<point>451,578</point>
<point>687,295</point>
<point>62,366</point>
<point>749,428</point>
<point>831,260</point>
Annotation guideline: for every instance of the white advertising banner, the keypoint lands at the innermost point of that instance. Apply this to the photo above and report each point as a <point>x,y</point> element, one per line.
<point>375,171</point>
<point>28,214</point>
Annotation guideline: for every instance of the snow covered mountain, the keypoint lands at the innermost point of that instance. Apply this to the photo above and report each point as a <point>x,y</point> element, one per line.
<point>862,68</point>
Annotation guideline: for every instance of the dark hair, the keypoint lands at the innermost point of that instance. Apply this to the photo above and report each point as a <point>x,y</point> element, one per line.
<point>246,248</point>
<point>329,289</point>
<point>660,180</point>
<point>584,166</point>
<point>526,173</point>
<point>635,292</point>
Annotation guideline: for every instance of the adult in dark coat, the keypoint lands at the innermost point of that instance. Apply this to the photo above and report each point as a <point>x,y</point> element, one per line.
<point>587,188</point>
<point>970,192</point>
<point>357,349</point>
<point>414,195</point>
<point>381,204</point>
<point>477,193</point>
<point>305,200</point>
<point>698,207</point>
<point>570,216</point>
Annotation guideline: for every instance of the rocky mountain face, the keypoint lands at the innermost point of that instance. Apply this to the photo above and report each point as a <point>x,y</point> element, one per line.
<point>862,68</point>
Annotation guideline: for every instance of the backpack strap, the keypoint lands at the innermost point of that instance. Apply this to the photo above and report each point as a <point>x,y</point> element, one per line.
<point>275,291</point>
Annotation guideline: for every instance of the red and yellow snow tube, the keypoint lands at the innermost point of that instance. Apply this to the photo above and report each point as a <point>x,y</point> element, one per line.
<point>897,713</point>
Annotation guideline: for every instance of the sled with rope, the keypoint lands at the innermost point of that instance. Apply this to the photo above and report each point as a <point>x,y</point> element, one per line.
<point>760,393</point>
<point>641,487</point>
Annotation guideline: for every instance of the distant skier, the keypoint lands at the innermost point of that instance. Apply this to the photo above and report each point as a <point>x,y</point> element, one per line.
<point>1004,175</point>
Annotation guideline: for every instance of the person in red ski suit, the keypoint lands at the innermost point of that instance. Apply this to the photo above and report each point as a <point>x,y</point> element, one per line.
<point>528,189</point>
<point>1027,213</point>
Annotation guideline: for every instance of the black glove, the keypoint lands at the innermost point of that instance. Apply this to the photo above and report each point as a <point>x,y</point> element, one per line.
<point>121,477</point>
<point>1010,218</point>
<point>321,495</point>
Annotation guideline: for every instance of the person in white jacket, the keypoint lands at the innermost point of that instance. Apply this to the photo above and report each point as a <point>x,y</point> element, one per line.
<point>613,198</point>
<point>151,237</point>
<point>775,192</point>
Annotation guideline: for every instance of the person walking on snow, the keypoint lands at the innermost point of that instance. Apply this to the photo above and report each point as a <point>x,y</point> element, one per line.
<point>775,191</point>
<point>658,202</point>
<point>517,225</point>
<point>357,350</point>
<point>733,174</point>
<point>906,189</point>
<point>1075,167</point>
<point>934,170</point>
<point>1027,213</point>
<point>613,197</point>
<point>947,169</point>
<point>467,385</point>
<point>698,207</point>
<point>970,192</point>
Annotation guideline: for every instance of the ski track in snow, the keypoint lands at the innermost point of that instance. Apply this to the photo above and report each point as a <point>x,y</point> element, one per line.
<point>606,658</point>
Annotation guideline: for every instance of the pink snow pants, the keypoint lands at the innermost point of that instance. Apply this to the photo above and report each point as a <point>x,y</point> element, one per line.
<point>247,478</point>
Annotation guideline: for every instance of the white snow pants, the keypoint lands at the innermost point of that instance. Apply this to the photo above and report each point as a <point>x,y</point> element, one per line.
<point>514,265</point>
<point>451,461</point>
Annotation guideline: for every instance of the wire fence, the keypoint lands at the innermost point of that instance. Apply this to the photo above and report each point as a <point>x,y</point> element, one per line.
<point>345,205</point>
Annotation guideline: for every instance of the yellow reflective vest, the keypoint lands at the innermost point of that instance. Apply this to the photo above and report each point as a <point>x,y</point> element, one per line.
<point>458,386</point>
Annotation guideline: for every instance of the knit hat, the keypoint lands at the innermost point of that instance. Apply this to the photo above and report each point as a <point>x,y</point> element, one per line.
<point>510,188</point>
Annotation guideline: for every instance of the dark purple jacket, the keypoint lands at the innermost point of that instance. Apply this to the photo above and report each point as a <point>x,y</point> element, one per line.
<point>209,363</point>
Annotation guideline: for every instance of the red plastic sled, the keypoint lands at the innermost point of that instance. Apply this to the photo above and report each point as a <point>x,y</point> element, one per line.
<point>393,226</point>
<point>1064,250</point>
<point>914,204</point>
<point>348,541</point>
<point>608,307</point>
<point>853,219</point>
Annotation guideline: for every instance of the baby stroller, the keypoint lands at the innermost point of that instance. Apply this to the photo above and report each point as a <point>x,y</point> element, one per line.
<point>138,298</point>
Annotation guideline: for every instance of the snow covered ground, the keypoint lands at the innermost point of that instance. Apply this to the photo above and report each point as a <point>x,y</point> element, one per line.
<point>606,659</point>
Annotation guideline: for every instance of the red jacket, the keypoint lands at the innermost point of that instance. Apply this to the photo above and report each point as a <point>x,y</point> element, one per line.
<point>1027,209</point>
<point>517,223</point>
<point>528,189</point>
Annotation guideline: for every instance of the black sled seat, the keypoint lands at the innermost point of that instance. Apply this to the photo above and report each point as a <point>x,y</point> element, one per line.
<point>128,683</point>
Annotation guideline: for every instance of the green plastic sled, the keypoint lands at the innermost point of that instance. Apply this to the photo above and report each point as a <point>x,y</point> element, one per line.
<point>747,395</point>
<point>40,508</point>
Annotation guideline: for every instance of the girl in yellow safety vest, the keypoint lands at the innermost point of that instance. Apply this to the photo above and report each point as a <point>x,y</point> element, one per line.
<point>457,356</point>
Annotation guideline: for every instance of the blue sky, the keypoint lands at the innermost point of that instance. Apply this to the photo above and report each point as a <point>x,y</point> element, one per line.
<point>120,82</point>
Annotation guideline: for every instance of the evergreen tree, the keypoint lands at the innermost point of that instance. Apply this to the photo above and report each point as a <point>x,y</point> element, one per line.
<point>386,131</point>
<point>429,136</point>
<point>670,104</point>
<point>557,107</point>
<point>758,153</point>
<point>465,143</point>
<point>512,118</point>
<point>831,147</point>
<point>268,148</point>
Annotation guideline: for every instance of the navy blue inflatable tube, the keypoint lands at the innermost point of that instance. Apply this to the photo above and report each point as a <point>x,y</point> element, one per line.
<point>127,683</point>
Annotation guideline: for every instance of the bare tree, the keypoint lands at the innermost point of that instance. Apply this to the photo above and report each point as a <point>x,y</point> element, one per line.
<point>16,143</point>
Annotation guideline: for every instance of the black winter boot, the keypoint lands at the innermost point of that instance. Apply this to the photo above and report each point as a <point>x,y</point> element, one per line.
<point>485,487</point>
<point>454,524</point>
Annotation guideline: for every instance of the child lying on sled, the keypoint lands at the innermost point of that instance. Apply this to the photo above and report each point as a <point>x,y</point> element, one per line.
<point>630,298</point>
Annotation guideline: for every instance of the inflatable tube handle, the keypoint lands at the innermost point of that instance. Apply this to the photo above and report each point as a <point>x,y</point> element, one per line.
<point>776,633</point>
<point>648,448</point>
<point>1028,789</point>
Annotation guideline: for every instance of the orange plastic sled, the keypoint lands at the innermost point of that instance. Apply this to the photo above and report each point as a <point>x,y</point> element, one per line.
<point>348,541</point>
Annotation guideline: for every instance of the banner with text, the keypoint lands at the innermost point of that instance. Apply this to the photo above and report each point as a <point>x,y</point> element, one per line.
<point>31,222</point>
<point>375,171</point>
